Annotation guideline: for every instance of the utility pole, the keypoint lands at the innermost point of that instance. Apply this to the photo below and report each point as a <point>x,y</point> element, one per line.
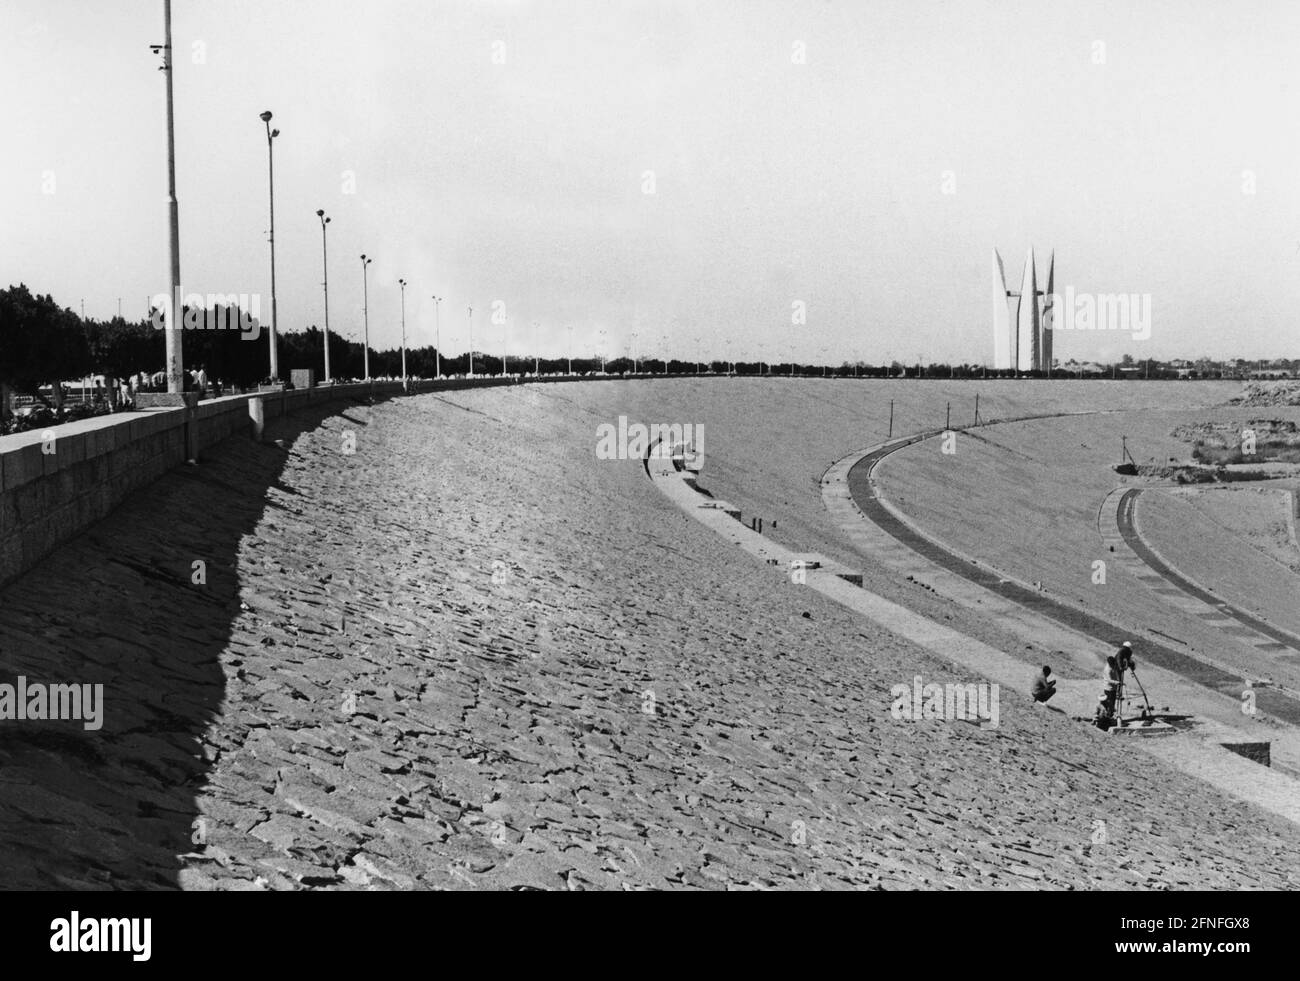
<point>172,329</point>
<point>437,334</point>
<point>271,134</point>
<point>325,260</point>
<point>365,309</point>
<point>402,284</point>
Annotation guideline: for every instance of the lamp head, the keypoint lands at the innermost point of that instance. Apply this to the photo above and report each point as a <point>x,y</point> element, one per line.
<point>320,212</point>
<point>266,116</point>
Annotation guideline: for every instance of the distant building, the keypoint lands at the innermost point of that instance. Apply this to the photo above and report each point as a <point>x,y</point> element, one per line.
<point>1082,369</point>
<point>1027,347</point>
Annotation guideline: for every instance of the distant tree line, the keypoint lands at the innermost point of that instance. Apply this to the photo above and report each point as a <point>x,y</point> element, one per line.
<point>43,344</point>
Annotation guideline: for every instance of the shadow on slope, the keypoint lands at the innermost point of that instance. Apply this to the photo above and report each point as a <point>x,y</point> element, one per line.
<point>118,606</point>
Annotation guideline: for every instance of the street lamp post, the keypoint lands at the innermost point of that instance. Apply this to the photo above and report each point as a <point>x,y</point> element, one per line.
<point>437,334</point>
<point>471,342</point>
<point>365,311</point>
<point>325,261</point>
<point>634,352</point>
<point>602,353</point>
<point>171,310</point>
<point>570,348</point>
<point>505,344</point>
<point>402,284</point>
<point>537,362</point>
<point>271,134</point>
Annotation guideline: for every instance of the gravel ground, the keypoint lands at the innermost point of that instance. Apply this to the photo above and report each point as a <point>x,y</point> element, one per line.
<point>470,655</point>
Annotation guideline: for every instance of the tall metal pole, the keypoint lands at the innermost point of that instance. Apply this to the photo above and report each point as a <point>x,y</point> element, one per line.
<point>271,134</point>
<point>471,342</point>
<point>325,259</point>
<point>402,284</point>
<point>537,361</point>
<point>175,383</point>
<point>505,344</point>
<point>570,348</point>
<point>365,309</point>
<point>437,334</point>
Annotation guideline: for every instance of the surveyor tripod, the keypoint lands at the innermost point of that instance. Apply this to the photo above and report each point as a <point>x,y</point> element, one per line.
<point>1120,698</point>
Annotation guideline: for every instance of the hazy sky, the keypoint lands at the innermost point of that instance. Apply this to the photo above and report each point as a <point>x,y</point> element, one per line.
<point>499,152</point>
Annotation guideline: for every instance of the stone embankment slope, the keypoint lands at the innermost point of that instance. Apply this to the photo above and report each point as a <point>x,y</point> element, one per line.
<point>470,655</point>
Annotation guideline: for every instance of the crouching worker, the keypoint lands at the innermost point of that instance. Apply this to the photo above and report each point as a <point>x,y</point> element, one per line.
<point>1044,685</point>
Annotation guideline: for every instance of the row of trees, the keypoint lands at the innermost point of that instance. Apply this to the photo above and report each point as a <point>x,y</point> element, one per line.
<point>43,344</point>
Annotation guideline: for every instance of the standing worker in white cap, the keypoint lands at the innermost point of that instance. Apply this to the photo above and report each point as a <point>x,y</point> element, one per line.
<point>1124,657</point>
<point>1124,663</point>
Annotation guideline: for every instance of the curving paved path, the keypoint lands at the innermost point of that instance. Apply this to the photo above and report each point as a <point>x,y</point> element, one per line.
<point>1230,619</point>
<point>863,491</point>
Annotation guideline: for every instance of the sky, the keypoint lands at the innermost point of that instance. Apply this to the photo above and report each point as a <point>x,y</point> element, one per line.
<point>804,179</point>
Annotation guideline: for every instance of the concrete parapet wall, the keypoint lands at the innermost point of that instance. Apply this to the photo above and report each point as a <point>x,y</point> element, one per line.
<point>51,489</point>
